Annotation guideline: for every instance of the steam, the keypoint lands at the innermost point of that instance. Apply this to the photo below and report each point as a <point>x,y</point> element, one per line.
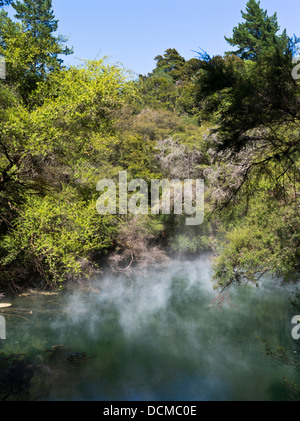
<point>135,302</point>
<point>163,325</point>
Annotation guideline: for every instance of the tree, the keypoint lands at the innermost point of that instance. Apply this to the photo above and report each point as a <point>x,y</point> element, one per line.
<point>171,63</point>
<point>5,2</point>
<point>254,101</point>
<point>257,33</point>
<point>38,21</point>
<point>30,48</point>
<point>171,84</point>
<point>190,69</point>
<point>51,158</point>
<point>158,90</point>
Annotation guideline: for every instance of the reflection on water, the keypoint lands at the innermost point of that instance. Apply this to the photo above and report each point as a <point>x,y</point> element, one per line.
<point>156,337</point>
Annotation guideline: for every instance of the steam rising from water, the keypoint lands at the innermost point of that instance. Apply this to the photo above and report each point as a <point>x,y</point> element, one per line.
<point>138,302</point>
<point>158,337</point>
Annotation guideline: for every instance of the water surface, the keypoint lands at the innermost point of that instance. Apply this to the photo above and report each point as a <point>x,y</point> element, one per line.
<point>152,337</point>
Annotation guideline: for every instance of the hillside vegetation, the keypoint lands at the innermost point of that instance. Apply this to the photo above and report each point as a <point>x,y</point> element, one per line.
<point>231,120</point>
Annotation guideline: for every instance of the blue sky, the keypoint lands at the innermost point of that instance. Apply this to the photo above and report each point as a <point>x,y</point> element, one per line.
<point>133,32</point>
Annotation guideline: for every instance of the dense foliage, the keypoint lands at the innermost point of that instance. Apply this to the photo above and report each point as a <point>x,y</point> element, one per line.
<point>232,120</point>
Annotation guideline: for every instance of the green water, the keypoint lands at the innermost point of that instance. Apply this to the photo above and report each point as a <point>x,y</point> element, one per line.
<point>153,337</point>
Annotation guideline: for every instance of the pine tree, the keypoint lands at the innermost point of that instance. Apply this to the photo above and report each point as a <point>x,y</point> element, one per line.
<point>5,2</point>
<point>171,63</point>
<point>257,34</point>
<point>39,22</point>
